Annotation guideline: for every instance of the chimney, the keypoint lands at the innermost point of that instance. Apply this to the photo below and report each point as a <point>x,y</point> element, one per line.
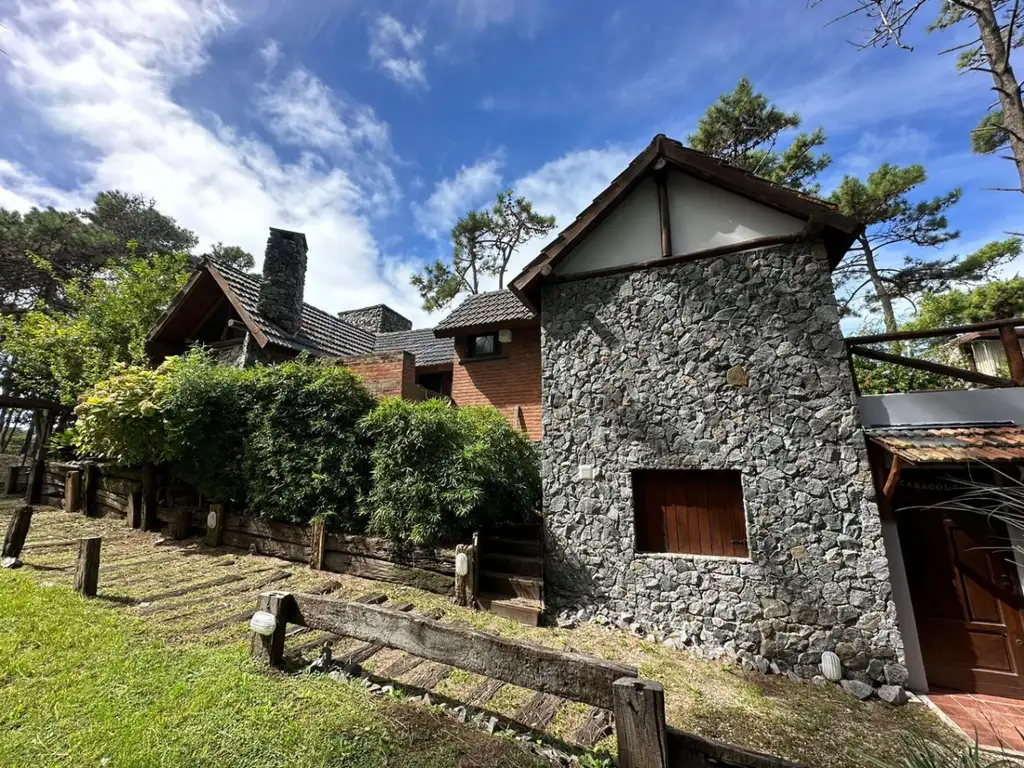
<point>284,277</point>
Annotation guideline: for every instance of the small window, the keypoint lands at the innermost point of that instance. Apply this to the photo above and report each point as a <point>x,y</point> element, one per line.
<point>484,345</point>
<point>696,512</point>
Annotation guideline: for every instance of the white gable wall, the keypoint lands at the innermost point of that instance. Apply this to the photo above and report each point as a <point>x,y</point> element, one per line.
<point>703,216</point>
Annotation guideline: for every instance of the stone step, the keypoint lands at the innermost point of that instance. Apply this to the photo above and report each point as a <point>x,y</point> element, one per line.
<point>512,565</point>
<point>529,587</point>
<point>519,609</point>
<point>520,547</point>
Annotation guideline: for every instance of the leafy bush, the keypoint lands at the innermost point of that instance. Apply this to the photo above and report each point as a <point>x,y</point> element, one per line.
<point>440,472</point>
<point>305,456</point>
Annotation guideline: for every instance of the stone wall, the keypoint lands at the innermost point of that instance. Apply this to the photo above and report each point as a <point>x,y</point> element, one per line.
<point>635,376</point>
<point>378,319</point>
<point>284,279</point>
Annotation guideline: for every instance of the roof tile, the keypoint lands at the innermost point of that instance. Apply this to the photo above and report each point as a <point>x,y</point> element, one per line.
<point>427,348</point>
<point>487,308</point>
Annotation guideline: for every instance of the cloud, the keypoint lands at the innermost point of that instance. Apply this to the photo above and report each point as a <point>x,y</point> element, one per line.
<point>902,145</point>
<point>271,53</point>
<point>471,186</point>
<point>395,49</point>
<point>102,74</point>
<point>20,190</point>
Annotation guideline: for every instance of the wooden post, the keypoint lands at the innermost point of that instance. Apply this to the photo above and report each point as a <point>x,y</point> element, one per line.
<point>91,479</point>
<point>87,569</point>
<point>270,648</point>
<point>73,491</point>
<point>33,490</point>
<point>214,524</point>
<point>464,584</point>
<point>640,723</point>
<point>1014,355</point>
<point>181,521</point>
<point>17,530</point>
<point>317,540</point>
<point>133,512</point>
<point>148,519</point>
<point>11,481</point>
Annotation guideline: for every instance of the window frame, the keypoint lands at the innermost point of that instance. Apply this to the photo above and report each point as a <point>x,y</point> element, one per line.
<point>719,527</point>
<point>470,348</point>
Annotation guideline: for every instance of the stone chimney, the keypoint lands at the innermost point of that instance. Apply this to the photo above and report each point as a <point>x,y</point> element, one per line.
<point>376,319</point>
<point>284,278</point>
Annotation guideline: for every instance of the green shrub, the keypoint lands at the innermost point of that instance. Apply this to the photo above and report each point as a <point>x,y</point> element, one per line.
<point>918,752</point>
<point>440,472</point>
<point>305,456</point>
<point>206,411</point>
<point>122,418</point>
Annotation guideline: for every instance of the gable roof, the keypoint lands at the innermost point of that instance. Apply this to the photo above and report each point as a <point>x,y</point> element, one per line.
<point>837,231</point>
<point>487,311</point>
<point>422,344</point>
<point>320,333</point>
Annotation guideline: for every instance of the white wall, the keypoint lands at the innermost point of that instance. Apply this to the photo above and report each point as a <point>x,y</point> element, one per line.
<point>630,234</point>
<point>904,608</point>
<point>705,216</point>
<point>702,215</point>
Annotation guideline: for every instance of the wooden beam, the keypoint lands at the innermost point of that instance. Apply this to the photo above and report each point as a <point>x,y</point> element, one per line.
<point>11,481</point>
<point>269,649</point>
<point>209,313</point>
<point>87,568</point>
<point>31,403</point>
<point>569,675</point>
<point>73,491</point>
<point>214,525</point>
<point>661,182</point>
<point>17,531</point>
<point>927,365</point>
<point>894,477</point>
<point>689,749</point>
<point>317,539</point>
<point>640,724</point>
<point>1014,356</point>
<point>929,333</point>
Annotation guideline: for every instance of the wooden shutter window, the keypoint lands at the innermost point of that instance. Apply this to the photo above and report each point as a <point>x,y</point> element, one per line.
<point>690,511</point>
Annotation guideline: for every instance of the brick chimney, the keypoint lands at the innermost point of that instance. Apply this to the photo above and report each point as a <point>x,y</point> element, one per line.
<point>284,278</point>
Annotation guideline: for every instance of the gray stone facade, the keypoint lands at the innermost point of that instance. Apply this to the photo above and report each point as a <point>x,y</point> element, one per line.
<point>378,319</point>
<point>284,279</point>
<point>734,362</point>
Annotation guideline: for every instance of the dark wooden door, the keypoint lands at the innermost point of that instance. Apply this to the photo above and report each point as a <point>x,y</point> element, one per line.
<point>967,600</point>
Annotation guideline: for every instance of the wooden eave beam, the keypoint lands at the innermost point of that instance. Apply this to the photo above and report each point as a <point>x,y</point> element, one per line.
<point>927,365</point>
<point>250,324</point>
<point>205,318</point>
<point>664,217</point>
<point>893,478</point>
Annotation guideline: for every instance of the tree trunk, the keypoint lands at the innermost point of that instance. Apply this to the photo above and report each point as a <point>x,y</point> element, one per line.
<point>29,434</point>
<point>888,313</point>
<point>1004,81</point>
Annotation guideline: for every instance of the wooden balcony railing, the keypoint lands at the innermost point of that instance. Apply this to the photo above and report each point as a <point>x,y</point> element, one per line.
<point>856,346</point>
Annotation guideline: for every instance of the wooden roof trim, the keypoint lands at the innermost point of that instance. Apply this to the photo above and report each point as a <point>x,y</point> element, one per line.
<point>250,324</point>
<point>176,302</point>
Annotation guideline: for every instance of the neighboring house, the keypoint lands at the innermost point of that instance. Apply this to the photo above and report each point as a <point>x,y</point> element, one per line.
<point>983,351</point>
<point>243,319</point>
<point>705,473</point>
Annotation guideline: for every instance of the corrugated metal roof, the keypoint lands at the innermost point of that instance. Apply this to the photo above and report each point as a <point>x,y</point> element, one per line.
<point>321,333</point>
<point>487,309</point>
<point>427,348</point>
<point>951,444</point>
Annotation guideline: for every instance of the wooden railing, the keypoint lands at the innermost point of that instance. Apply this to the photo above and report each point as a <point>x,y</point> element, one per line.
<point>856,346</point>
<point>644,738</point>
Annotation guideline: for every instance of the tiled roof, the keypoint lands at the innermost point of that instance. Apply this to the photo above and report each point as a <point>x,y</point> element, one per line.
<point>954,443</point>
<point>427,348</point>
<point>487,309</point>
<point>321,333</point>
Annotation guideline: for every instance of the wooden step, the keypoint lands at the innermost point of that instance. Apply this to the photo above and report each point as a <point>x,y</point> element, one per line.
<point>524,611</point>
<point>518,547</point>
<point>529,587</point>
<point>512,565</point>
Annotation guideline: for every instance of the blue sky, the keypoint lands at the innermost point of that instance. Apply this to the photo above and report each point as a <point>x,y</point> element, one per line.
<point>373,126</point>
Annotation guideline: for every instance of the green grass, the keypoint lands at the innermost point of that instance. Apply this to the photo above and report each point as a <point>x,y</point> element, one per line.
<point>82,684</point>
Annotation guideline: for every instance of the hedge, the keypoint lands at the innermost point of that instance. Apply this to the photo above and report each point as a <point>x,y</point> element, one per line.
<point>305,440</point>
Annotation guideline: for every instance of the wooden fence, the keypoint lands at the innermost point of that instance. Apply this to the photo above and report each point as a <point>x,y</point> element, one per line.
<point>644,739</point>
<point>148,500</point>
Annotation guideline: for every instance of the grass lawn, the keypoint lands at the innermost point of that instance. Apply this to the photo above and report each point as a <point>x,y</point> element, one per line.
<point>81,684</point>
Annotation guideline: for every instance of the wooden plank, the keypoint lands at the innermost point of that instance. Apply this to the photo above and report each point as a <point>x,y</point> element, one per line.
<point>298,553</point>
<point>89,479</point>
<point>11,481</point>
<point>598,725</point>
<point>927,365</point>
<point>317,536</point>
<point>484,692</point>
<point>402,665</point>
<point>228,579</point>
<point>17,531</point>
<point>148,518</point>
<point>688,750</point>
<point>430,559</point>
<point>35,482</point>
<point>214,525</point>
<point>931,333</point>
<point>894,477</point>
<point>87,568</point>
<point>270,529</point>
<point>50,544</point>
<point>357,656</point>
<point>664,217</point>
<point>370,568</point>
<point>133,512</point>
<point>266,581</point>
<point>428,675</point>
<point>640,724</point>
<point>569,675</point>
<point>364,652</point>
<point>270,649</point>
<point>1014,356</point>
<point>538,711</point>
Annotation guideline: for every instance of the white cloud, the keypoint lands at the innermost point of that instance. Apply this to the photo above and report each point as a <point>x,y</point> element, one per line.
<point>395,49</point>
<point>902,145</point>
<point>271,53</point>
<point>102,73</point>
<point>451,198</point>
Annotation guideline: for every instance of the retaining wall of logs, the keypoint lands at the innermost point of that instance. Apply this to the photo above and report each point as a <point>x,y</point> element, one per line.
<point>154,501</point>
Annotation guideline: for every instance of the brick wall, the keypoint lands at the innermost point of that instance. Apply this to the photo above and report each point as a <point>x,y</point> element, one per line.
<point>505,382</point>
<point>387,374</point>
